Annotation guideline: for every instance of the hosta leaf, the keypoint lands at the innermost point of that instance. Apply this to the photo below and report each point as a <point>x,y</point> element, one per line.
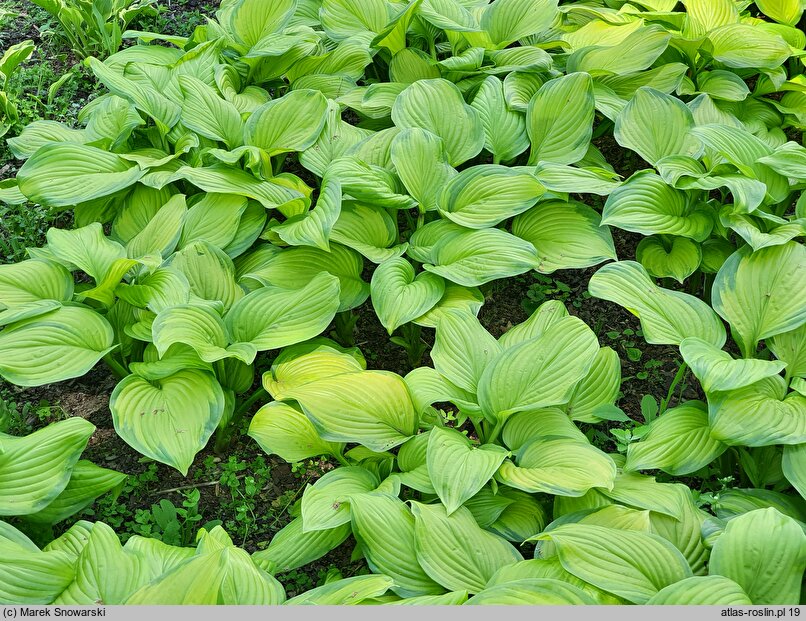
<point>282,430</point>
<point>546,315</point>
<point>161,234</point>
<point>635,53</point>
<point>291,547</point>
<point>206,113</point>
<point>437,105</point>
<point>678,259</point>
<point>308,362</point>
<point>36,468</point>
<point>214,219</point>
<point>645,493</point>
<point>33,577</point>
<point>646,204</point>
<point>34,280</point>
<point>274,317</point>
<point>753,292</point>
<point>169,420</point>
<point>559,466</point>
<point>369,230</point>
<point>559,119</point>
<point>599,387</point>
<point>567,235</point>
<point>421,162</point>
<point>372,408</point>
<point>760,414</point>
<point>87,482</point>
<point>743,45</point>
<point>504,129</point>
<point>251,20</point>
<point>344,592</point>
<point>374,516</point>
<point>290,123</point>
<point>462,349</point>
<point>86,248</point>
<point>209,272</point>
<point>344,18</point>
<point>630,564</point>
<point>482,196</point>
<point>655,125</point>
<point>718,371</point>
<point>667,317</point>
<point>53,347</point>
<point>764,552</point>
<point>678,442</point>
<point>200,328</point>
<point>398,296</point>
<point>455,551</point>
<point>524,427</point>
<point>539,372</point>
<point>701,591</point>
<point>793,466</point>
<point>561,178</point>
<point>325,503</point>
<point>520,519</point>
<point>457,468</point>
<point>65,174</point>
<point>532,592</point>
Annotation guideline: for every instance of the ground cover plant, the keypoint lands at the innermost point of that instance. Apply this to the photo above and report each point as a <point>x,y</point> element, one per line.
<point>438,302</point>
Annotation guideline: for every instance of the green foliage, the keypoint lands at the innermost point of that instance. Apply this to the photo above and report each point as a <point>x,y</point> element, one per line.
<point>240,191</point>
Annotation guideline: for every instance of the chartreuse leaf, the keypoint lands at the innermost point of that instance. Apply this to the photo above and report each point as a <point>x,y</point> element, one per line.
<point>342,19</point>
<point>678,442</point>
<point>290,123</point>
<point>646,204</point>
<point>635,53</point>
<point>717,370</point>
<point>297,267</point>
<point>36,468</point>
<point>539,372</point>
<point>421,162</point>
<point>86,248</point>
<point>760,414</point>
<point>63,174</point>
<point>344,592</point>
<point>457,468</point>
<point>559,119</point>
<point>308,362</point>
<point>462,349</point>
<point>532,592</point>
<point>630,564</point>
<point>398,296</point>
<point>200,328</point>
<point>764,552</point>
<point>475,257</point>
<point>524,427</point>
<point>655,125</point>
<point>214,218</point>
<point>743,45</point>
<point>209,272</point>
<point>251,20</point>
<point>644,492</point>
<point>437,106</point>
<point>373,408</point>
<point>667,317</point>
<point>208,114</point>
<point>171,419</point>
<point>34,280</point>
<point>219,573</point>
<point>27,311</point>
<point>559,466</point>
<point>600,387</point>
<point>292,547</point>
<point>283,430</point>
<point>546,315</point>
<point>31,576</point>
<point>87,482</point>
<point>562,178</point>
<point>506,21</point>
<point>482,196</point>
<point>325,503</point>
<point>753,292</point>
<point>685,531</point>
<point>567,235</point>
<point>453,598</point>
<point>105,572</point>
<point>455,551</point>
<point>376,515</point>
<point>369,230</point>
<point>793,465</point>
<point>53,347</point>
<point>272,317</point>
<point>504,129</point>
<point>677,258</point>
<point>701,591</point>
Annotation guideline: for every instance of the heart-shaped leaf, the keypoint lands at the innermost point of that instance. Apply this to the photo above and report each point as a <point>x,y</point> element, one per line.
<point>399,296</point>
